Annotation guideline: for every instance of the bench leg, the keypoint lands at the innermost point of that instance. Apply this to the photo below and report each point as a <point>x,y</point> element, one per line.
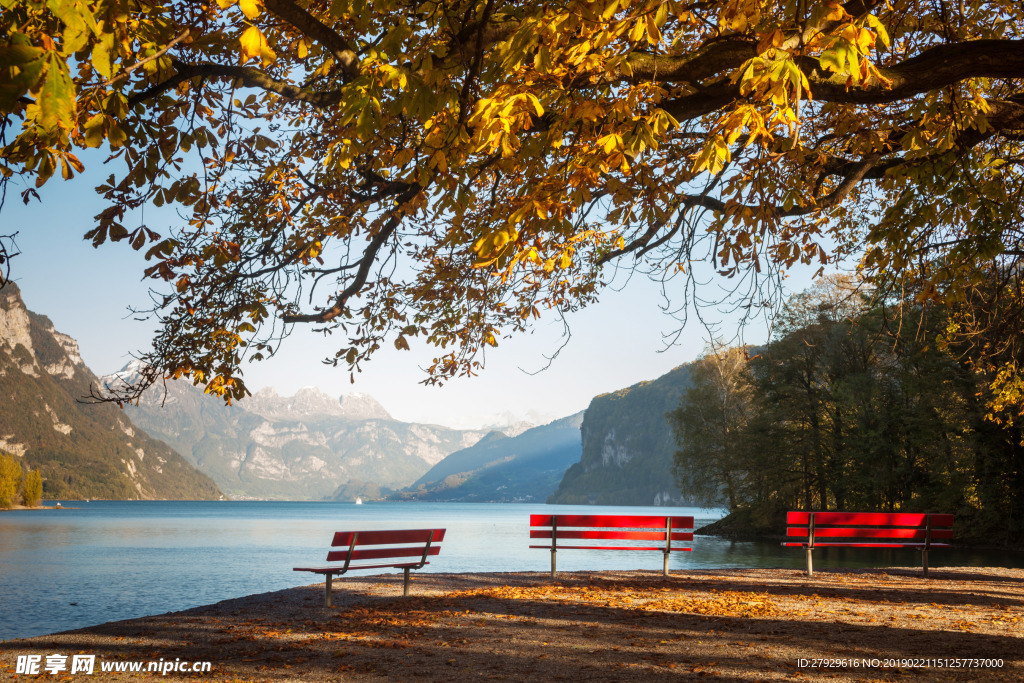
<point>924,562</point>
<point>553,551</point>
<point>327,589</point>
<point>405,586</point>
<point>810,563</point>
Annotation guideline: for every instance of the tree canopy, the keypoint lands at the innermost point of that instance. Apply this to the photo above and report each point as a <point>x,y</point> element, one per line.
<point>452,170</point>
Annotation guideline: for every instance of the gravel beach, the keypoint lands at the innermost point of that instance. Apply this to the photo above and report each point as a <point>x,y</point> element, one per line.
<point>959,624</point>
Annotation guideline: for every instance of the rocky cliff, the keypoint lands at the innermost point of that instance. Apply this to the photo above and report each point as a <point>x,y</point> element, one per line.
<point>302,447</point>
<point>82,450</point>
<point>628,447</point>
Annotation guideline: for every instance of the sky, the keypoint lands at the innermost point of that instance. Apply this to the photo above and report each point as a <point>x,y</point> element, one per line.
<point>88,293</point>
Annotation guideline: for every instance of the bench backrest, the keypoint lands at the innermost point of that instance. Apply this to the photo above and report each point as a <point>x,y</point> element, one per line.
<point>665,530</point>
<point>390,544</point>
<point>864,527</point>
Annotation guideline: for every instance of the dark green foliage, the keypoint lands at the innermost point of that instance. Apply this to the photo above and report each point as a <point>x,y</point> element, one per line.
<point>846,412</point>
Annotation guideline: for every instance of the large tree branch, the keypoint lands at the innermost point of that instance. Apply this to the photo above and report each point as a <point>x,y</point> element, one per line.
<point>936,68</point>
<point>716,59</point>
<point>344,53</point>
<point>246,75</point>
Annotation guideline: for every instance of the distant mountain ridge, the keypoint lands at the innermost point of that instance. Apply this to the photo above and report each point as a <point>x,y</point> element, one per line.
<point>302,447</point>
<point>310,402</point>
<point>628,448</point>
<point>82,450</point>
<point>522,468</point>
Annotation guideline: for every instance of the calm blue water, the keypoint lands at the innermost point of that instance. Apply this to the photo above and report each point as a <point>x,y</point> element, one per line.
<point>123,559</point>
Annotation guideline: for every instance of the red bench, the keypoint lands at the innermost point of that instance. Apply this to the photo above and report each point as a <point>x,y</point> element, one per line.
<point>869,530</point>
<point>396,546</point>
<point>665,530</point>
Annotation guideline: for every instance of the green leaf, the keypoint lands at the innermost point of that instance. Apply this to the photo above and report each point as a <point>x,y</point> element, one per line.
<point>93,130</point>
<point>833,60</point>
<point>879,29</point>
<point>101,56</point>
<point>76,32</point>
<point>21,65</point>
<point>57,98</point>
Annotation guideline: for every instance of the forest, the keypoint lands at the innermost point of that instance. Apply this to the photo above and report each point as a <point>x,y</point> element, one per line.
<point>18,485</point>
<point>853,406</point>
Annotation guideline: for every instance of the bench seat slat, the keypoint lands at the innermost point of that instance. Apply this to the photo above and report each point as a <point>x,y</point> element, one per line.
<point>865,545</point>
<point>361,553</point>
<point>850,532</point>
<point>618,521</point>
<point>339,568</point>
<point>344,538</point>
<point>611,534</point>
<point>869,518</point>
<point>605,547</point>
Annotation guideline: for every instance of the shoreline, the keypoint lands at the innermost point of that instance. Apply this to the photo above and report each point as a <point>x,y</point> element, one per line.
<point>736,624</point>
<point>23,508</point>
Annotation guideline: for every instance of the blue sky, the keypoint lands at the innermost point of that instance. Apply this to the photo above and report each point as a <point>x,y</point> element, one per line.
<point>87,293</point>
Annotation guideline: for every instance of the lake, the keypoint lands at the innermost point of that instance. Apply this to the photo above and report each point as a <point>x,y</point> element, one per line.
<point>110,560</point>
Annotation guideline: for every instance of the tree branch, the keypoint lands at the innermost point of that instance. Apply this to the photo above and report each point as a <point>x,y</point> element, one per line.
<point>1004,115</point>
<point>124,74</point>
<point>344,53</point>
<point>246,75</point>
<point>366,262</point>
<point>935,68</point>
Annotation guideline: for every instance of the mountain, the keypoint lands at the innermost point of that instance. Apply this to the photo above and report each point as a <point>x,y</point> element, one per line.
<point>628,447</point>
<point>310,402</point>
<point>301,447</point>
<point>82,450</point>
<point>500,468</point>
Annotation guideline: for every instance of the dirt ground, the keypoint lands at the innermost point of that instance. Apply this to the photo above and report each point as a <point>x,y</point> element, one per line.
<point>725,624</point>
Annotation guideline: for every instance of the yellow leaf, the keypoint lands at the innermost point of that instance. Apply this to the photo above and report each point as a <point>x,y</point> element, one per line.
<point>253,42</point>
<point>250,8</point>
<point>267,56</point>
<point>879,29</point>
